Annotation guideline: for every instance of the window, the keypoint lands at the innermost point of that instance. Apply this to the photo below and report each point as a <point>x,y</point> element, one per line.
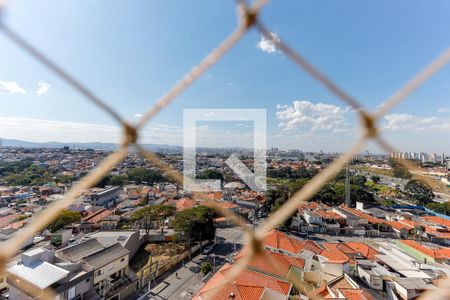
<point>123,258</point>
<point>71,294</point>
<point>87,280</point>
<point>99,272</point>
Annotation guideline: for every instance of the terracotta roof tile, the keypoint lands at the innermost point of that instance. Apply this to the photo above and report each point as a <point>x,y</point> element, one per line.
<point>335,256</point>
<point>439,253</point>
<point>247,285</point>
<point>367,251</point>
<point>356,294</point>
<point>279,240</point>
<point>437,220</point>
<point>185,203</point>
<point>266,261</point>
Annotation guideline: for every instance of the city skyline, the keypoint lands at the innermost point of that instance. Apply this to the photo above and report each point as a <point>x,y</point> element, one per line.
<point>137,53</point>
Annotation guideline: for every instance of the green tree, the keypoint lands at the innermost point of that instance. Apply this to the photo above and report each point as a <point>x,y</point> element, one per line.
<point>205,267</point>
<point>359,180</point>
<point>146,216</point>
<point>375,178</point>
<point>141,175</point>
<point>118,180</point>
<point>195,224</point>
<point>7,167</point>
<point>210,174</point>
<point>286,224</point>
<point>420,191</point>
<point>399,170</point>
<point>66,217</point>
<point>443,208</point>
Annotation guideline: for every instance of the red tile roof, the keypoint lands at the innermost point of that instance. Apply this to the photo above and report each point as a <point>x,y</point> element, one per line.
<point>98,215</point>
<point>436,233</point>
<point>137,202</point>
<point>356,294</point>
<point>343,248</point>
<point>279,240</point>
<point>330,215</point>
<point>439,253</point>
<point>367,251</point>
<point>335,256</point>
<point>270,262</point>
<point>411,223</point>
<point>215,195</point>
<point>397,225</point>
<point>322,292</point>
<point>362,215</point>
<point>185,203</point>
<point>5,220</point>
<point>437,220</point>
<point>247,285</point>
<point>17,224</point>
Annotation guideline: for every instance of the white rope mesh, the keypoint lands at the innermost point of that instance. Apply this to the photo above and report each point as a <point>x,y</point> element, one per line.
<point>247,17</point>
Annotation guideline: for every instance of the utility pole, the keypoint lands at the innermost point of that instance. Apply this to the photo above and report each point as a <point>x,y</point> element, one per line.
<point>347,186</point>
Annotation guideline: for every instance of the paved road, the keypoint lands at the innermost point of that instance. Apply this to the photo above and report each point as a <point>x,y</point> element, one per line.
<point>187,280</point>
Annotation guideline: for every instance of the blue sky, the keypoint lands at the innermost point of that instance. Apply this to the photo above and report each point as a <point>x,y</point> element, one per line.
<point>130,54</point>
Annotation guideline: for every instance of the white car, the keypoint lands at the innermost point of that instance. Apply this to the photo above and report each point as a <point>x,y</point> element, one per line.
<point>207,250</point>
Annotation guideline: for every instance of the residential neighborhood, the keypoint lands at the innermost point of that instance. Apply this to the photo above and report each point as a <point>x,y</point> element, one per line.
<point>139,235</point>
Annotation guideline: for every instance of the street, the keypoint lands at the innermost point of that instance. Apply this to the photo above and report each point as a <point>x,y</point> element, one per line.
<point>186,281</point>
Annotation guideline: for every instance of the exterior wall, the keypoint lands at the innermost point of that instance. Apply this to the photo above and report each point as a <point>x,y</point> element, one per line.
<point>374,281</point>
<point>402,292</point>
<point>346,268</point>
<point>312,218</point>
<point>359,231</point>
<point>110,269</point>
<point>352,222</point>
<point>333,269</point>
<point>272,295</point>
<point>3,283</point>
<point>390,287</point>
<point>16,294</point>
<point>126,292</point>
<point>362,221</point>
<point>317,277</point>
<point>105,197</point>
<point>133,244</point>
<point>84,286</point>
<point>332,227</point>
<point>80,288</point>
<point>294,274</point>
<point>415,253</point>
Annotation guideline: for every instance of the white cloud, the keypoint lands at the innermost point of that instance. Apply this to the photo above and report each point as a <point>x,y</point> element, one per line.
<point>10,87</point>
<point>408,122</point>
<point>317,116</point>
<point>444,110</point>
<point>42,88</point>
<point>41,130</point>
<point>212,114</point>
<point>267,45</point>
<point>138,115</point>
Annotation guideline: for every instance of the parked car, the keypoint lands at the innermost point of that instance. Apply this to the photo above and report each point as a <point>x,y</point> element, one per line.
<point>208,249</point>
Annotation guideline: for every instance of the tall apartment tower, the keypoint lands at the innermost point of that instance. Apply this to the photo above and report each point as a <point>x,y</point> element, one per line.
<point>447,165</point>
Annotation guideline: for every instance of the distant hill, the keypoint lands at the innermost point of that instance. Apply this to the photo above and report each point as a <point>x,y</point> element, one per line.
<point>77,145</point>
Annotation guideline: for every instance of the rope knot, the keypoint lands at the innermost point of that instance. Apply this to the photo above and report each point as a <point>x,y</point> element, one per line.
<point>250,18</point>
<point>369,124</point>
<point>130,134</point>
